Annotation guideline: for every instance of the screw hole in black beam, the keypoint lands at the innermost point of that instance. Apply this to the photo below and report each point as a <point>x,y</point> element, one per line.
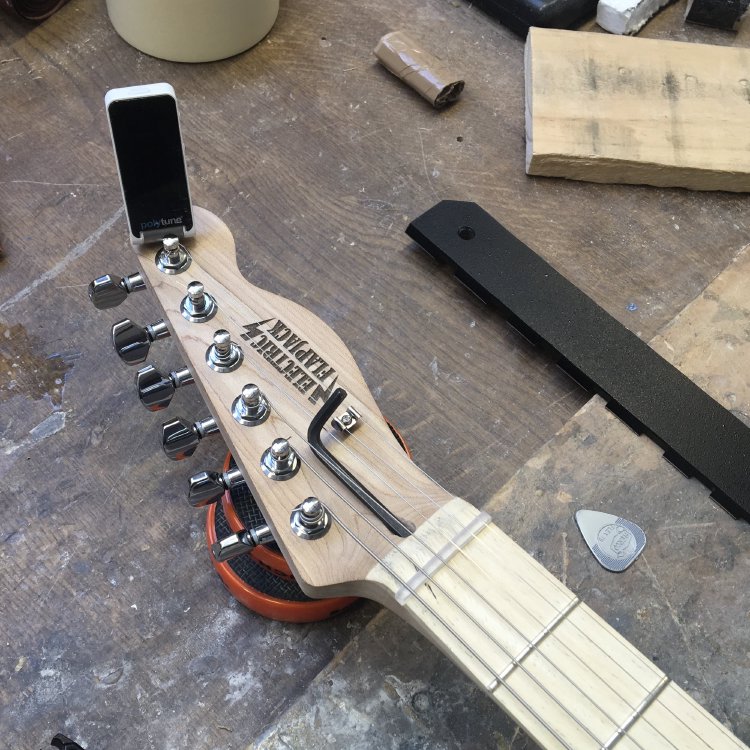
<point>466,233</point>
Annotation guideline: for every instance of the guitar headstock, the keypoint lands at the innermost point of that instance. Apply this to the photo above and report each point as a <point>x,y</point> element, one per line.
<point>290,402</point>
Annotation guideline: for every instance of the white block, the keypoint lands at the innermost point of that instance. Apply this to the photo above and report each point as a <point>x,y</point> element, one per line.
<point>627,16</point>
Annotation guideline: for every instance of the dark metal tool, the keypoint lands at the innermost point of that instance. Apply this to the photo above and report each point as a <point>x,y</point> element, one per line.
<point>62,742</point>
<point>699,436</point>
<point>721,14</point>
<point>519,15</point>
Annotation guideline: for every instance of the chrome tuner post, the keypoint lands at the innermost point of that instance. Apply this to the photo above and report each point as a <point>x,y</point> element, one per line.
<point>207,487</point>
<point>110,290</point>
<point>251,408</point>
<point>223,355</point>
<point>155,390</point>
<point>198,305</point>
<point>173,256</point>
<point>132,341</point>
<point>310,519</point>
<point>280,462</point>
<point>179,438</point>
<point>240,543</point>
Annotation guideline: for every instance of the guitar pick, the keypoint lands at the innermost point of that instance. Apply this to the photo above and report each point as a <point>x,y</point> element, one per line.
<point>615,542</point>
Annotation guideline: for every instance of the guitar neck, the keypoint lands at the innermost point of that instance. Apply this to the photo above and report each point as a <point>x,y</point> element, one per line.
<point>558,669</point>
<point>554,665</point>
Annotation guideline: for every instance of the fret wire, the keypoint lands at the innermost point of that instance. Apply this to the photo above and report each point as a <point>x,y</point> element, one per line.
<point>637,712</point>
<point>462,611</point>
<point>392,446</point>
<point>534,642</point>
<point>492,606</point>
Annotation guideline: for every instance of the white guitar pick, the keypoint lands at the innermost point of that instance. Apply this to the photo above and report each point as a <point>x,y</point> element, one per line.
<point>615,542</point>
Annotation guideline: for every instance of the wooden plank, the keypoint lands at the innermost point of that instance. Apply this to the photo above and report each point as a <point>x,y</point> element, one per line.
<point>639,111</point>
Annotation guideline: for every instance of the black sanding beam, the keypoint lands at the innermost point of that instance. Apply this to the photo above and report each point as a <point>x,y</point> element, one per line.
<point>699,436</point>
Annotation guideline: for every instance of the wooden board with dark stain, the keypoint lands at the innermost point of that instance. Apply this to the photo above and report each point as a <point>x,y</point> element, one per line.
<point>114,624</point>
<point>610,108</point>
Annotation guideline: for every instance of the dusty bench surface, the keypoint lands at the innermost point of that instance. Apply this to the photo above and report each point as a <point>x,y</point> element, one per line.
<point>114,626</point>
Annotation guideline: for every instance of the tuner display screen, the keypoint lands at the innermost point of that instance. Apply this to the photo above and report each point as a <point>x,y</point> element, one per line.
<point>148,146</point>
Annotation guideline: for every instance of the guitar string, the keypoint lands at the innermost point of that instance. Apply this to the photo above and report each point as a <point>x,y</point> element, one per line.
<point>375,526</point>
<point>514,660</point>
<point>393,447</point>
<point>468,557</point>
<point>519,577</point>
<point>523,608</point>
<point>474,536</point>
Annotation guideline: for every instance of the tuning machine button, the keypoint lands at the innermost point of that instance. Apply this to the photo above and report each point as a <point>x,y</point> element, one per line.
<point>155,390</point>
<point>110,290</point>
<point>206,487</point>
<point>240,543</point>
<point>223,355</point>
<point>251,408</point>
<point>173,256</point>
<point>198,305</point>
<point>280,462</point>
<point>179,438</point>
<point>310,519</point>
<point>132,341</point>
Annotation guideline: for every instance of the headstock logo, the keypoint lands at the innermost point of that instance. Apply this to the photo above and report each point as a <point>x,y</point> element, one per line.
<point>293,357</point>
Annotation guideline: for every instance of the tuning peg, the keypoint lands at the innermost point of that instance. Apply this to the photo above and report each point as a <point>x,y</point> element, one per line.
<point>173,256</point>
<point>155,390</point>
<point>251,407</point>
<point>240,543</point>
<point>179,438</point>
<point>280,462</point>
<point>132,341</point>
<point>110,290</point>
<point>310,519</point>
<point>223,355</point>
<point>206,487</point>
<point>198,305</point>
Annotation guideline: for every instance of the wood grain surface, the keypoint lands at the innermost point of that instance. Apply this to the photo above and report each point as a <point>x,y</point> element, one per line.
<point>115,627</point>
<point>640,111</point>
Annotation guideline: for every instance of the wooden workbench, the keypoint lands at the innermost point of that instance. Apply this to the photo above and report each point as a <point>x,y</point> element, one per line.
<point>114,628</point>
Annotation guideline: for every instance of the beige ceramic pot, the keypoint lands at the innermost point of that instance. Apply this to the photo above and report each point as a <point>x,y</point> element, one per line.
<point>192,30</point>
